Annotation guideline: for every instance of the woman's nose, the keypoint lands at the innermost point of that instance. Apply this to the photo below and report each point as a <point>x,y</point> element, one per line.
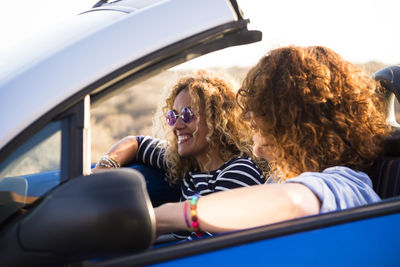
<point>260,146</point>
<point>179,124</point>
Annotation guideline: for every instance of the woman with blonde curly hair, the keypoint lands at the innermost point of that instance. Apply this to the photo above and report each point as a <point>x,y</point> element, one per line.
<point>208,146</point>
<point>320,121</point>
<point>220,136</point>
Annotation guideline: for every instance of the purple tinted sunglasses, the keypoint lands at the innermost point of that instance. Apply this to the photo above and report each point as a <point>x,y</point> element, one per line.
<point>186,116</point>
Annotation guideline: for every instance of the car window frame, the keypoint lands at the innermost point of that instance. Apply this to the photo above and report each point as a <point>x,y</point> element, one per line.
<point>75,141</point>
<point>226,35</point>
<point>176,251</point>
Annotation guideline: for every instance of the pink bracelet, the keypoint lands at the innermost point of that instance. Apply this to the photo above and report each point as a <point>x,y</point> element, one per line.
<point>185,213</point>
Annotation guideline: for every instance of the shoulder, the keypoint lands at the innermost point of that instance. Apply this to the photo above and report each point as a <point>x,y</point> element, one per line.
<point>149,141</point>
<point>144,138</point>
<point>340,175</point>
<point>241,168</point>
<point>338,187</point>
<point>238,163</point>
<point>241,164</point>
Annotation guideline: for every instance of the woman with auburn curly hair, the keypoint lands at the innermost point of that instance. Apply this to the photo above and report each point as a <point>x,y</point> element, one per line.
<point>208,144</point>
<point>320,121</point>
<point>316,111</point>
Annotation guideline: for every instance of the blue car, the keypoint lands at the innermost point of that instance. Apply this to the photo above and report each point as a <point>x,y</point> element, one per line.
<point>53,213</point>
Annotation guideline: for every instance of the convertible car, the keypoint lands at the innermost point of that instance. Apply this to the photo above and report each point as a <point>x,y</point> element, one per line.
<point>52,213</point>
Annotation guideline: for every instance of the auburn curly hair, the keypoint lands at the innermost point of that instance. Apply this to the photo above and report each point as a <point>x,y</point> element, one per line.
<point>226,128</point>
<point>316,109</point>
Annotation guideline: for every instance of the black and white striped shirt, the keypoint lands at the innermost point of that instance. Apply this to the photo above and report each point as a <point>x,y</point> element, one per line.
<point>237,172</point>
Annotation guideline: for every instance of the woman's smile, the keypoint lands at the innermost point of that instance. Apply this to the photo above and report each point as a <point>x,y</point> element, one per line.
<point>182,138</point>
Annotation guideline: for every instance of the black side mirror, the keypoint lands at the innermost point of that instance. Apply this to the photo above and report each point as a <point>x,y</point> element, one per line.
<point>100,215</point>
<point>389,78</point>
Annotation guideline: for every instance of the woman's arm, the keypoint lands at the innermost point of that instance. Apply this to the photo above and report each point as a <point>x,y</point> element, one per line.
<point>124,151</point>
<point>242,208</point>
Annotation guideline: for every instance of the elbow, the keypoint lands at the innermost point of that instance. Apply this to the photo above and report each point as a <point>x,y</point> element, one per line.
<point>129,138</point>
<point>302,202</point>
<point>301,209</point>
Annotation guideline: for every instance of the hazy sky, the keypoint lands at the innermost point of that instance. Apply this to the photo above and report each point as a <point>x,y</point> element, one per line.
<point>359,30</point>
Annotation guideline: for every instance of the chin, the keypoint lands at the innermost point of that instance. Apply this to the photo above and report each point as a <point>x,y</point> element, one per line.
<point>183,153</point>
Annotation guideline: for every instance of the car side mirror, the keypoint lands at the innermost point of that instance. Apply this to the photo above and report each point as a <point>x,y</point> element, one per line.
<point>100,215</point>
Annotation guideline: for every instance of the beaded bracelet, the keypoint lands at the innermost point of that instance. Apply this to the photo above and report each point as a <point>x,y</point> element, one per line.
<point>193,213</point>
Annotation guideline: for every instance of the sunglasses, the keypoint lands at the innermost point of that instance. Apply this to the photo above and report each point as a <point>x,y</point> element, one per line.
<point>186,116</point>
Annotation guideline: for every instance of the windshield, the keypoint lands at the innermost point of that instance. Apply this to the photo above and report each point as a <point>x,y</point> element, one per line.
<point>31,171</point>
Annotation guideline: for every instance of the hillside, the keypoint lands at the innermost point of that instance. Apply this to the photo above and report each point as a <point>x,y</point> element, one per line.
<point>131,112</point>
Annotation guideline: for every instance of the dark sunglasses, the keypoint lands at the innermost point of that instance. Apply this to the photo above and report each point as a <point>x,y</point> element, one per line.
<point>186,115</point>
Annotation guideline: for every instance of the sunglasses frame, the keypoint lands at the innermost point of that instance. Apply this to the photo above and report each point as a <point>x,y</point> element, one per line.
<point>172,116</point>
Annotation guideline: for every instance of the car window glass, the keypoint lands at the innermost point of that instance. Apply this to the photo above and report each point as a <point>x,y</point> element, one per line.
<point>34,168</point>
<point>397,110</point>
<point>127,113</point>
<point>133,111</point>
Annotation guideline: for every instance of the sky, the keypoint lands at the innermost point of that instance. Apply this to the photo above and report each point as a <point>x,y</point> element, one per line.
<point>359,30</point>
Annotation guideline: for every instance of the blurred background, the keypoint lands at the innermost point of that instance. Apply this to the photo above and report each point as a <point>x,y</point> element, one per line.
<point>362,31</point>
<point>359,30</point>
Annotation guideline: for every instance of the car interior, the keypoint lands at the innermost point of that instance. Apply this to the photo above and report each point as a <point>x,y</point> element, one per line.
<point>147,189</point>
<point>52,215</point>
<point>385,173</point>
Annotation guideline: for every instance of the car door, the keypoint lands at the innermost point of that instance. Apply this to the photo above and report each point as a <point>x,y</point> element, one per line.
<point>46,143</point>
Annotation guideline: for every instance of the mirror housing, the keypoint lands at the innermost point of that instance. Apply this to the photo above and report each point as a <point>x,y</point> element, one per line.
<point>104,214</point>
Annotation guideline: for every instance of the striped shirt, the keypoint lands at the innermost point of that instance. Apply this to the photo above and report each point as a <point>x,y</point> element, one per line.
<point>237,172</point>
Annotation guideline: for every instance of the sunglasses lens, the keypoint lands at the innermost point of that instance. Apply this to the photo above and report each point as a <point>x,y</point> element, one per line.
<point>171,117</point>
<point>186,115</point>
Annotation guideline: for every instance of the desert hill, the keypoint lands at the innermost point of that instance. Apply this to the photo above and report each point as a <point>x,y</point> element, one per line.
<point>131,112</point>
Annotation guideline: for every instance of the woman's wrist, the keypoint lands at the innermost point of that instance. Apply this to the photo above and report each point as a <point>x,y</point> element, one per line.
<point>170,218</point>
<point>191,215</point>
<point>124,151</point>
<point>178,216</point>
<point>108,162</point>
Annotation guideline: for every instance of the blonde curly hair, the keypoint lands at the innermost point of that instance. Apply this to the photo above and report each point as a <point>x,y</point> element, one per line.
<point>226,128</point>
<point>316,109</point>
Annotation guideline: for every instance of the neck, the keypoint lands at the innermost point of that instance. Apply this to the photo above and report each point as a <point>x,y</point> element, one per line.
<point>209,164</point>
